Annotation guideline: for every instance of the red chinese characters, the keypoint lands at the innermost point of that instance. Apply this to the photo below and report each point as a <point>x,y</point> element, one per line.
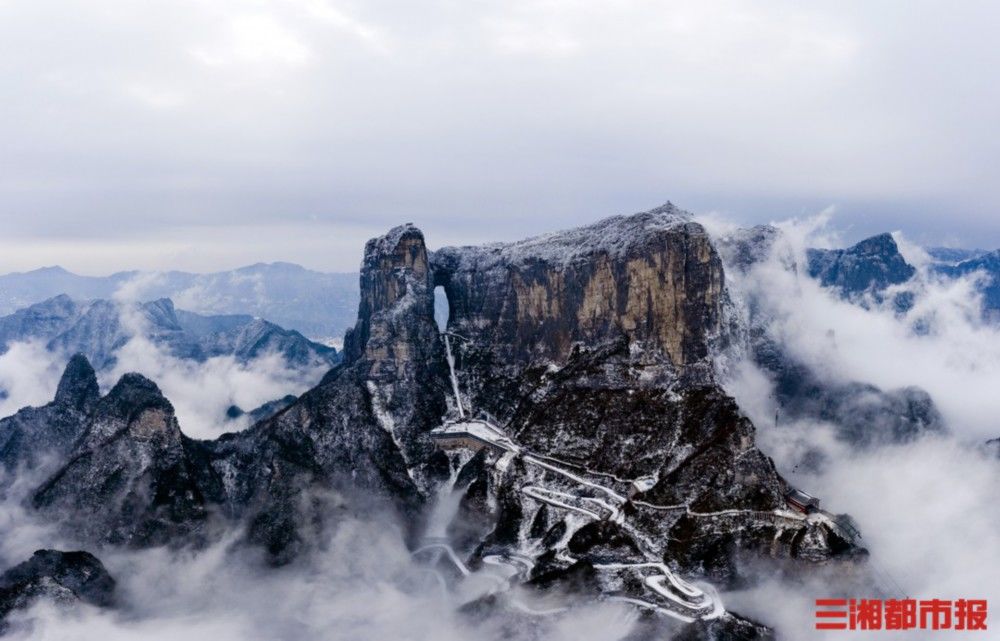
<point>901,614</point>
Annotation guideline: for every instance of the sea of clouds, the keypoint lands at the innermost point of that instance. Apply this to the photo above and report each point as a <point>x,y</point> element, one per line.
<point>363,583</point>
<point>927,509</point>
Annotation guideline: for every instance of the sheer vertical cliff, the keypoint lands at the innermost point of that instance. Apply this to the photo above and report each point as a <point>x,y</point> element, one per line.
<point>653,278</point>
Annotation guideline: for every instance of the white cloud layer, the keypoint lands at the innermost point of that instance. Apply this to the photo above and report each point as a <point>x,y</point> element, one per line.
<point>200,392</point>
<point>927,509</point>
<point>362,585</point>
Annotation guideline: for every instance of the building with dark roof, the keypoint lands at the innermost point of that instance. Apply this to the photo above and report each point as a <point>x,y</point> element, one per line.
<point>801,501</point>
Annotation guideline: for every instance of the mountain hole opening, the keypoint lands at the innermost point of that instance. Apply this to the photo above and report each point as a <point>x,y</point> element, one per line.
<point>442,309</point>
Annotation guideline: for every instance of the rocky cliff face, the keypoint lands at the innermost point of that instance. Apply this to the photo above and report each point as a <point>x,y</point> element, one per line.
<point>653,278</point>
<point>592,347</point>
<point>363,432</point>
<point>586,341</point>
<point>395,344</point>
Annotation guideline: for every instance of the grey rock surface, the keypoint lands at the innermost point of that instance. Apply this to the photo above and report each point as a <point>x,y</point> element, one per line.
<point>62,578</point>
<point>36,436</point>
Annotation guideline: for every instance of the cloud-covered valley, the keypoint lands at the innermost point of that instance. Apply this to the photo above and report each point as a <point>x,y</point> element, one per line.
<point>925,507</point>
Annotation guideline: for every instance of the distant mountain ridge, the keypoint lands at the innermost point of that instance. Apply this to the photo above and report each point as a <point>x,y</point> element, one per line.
<point>953,254</point>
<point>861,412</point>
<point>99,328</point>
<point>870,265</point>
<point>318,304</point>
<point>875,264</point>
<point>987,264</point>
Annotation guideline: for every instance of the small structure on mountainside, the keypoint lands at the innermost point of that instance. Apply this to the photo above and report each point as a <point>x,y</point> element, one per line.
<point>802,502</point>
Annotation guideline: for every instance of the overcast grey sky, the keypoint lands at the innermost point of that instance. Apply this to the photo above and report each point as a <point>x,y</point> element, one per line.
<point>207,134</point>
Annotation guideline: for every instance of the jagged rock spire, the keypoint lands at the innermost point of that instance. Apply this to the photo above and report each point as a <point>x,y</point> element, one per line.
<point>37,434</point>
<point>135,403</point>
<point>397,299</point>
<point>78,385</point>
<point>395,345</point>
<point>128,479</point>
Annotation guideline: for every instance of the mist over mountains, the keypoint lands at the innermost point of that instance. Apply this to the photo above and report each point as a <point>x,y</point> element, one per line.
<point>827,397</point>
<point>217,367</point>
<point>323,305</point>
<point>99,328</point>
<point>319,305</point>
<point>597,439</point>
